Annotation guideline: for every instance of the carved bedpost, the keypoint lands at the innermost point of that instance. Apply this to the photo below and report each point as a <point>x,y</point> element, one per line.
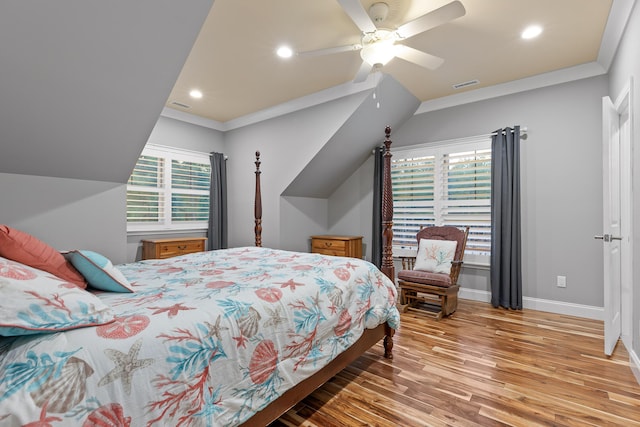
<point>387,232</point>
<point>387,211</point>
<point>257,207</point>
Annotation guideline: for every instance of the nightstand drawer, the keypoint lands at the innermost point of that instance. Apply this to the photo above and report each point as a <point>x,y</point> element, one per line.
<point>328,245</point>
<point>349,246</point>
<point>167,248</point>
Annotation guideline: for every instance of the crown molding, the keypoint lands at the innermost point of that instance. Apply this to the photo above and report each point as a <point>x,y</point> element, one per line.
<point>551,78</point>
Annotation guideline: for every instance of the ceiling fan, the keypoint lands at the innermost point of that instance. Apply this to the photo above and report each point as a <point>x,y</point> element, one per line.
<point>380,45</point>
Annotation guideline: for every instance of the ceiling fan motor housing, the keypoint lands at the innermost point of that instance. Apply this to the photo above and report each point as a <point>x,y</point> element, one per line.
<point>378,12</point>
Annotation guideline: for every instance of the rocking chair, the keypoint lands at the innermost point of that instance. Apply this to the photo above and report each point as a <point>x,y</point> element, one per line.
<point>430,280</point>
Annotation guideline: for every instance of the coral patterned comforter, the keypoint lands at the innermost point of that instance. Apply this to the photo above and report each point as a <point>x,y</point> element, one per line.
<point>207,339</point>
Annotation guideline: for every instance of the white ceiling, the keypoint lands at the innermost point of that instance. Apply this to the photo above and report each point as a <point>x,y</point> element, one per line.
<point>233,61</point>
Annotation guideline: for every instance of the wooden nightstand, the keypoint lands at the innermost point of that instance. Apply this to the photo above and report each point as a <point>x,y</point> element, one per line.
<point>167,248</point>
<point>350,246</point>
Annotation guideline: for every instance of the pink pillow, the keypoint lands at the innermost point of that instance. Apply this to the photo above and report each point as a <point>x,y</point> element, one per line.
<point>26,249</point>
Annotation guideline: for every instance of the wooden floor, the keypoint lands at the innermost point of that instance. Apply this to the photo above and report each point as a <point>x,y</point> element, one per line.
<point>481,367</point>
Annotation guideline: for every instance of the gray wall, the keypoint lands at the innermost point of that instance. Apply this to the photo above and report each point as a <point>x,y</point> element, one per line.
<point>351,206</point>
<point>67,213</point>
<point>287,144</point>
<point>176,133</point>
<point>82,85</point>
<point>561,182</point>
<point>626,65</point>
<point>80,214</point>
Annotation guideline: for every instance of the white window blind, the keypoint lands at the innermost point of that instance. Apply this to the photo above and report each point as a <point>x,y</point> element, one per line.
<point>168,189</point>
<point>444,184</point>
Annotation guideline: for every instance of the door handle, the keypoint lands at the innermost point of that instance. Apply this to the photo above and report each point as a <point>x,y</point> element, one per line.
<point>607,237</point>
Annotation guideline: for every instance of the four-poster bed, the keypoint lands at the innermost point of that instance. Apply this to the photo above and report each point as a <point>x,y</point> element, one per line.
<point>226,337</point>
<point>370,336</point>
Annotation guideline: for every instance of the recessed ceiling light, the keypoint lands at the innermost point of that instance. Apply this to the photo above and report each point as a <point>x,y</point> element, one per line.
<point>195,93</point>
<point>531,31</point>
<point>284,52</point>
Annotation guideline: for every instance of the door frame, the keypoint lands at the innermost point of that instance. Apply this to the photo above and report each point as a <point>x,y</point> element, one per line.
<point>623,105</point>
<point>612,235</point>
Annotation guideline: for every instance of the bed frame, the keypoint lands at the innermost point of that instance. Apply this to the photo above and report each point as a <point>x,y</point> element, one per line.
<point>370,336</point>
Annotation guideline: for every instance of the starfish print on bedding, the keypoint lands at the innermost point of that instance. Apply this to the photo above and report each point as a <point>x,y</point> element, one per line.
<point>290,283</point>
<point>214,330</point>
<point>126,364</point>
<point>172,310</point>
<point>275,317</point>
<point>241,341</point>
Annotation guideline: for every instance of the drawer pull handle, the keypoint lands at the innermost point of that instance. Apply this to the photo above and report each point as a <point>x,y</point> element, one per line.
<point>327,243</point>
<point>182,247</point>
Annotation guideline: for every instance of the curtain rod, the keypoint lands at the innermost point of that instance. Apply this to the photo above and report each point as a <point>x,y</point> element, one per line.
<point>225,157</point>
<point>523,135</point>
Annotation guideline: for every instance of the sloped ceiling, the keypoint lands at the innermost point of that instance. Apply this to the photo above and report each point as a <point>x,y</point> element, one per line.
<point>352,144</point>
<point>84,81</point>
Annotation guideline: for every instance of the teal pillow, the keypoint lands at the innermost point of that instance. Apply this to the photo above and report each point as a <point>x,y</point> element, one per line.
<point>99,271</point>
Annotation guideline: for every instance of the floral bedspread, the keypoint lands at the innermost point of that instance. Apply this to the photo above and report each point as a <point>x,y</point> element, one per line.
<point>207,339</point>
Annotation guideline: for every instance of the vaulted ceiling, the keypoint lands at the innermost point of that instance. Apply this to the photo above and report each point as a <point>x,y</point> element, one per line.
<point>233,61</point>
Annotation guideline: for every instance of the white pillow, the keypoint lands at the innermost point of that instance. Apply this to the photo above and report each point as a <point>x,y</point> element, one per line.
<point>34,301</point>
<point>435,255</point>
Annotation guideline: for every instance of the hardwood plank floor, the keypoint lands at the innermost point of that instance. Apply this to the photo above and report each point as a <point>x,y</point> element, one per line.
<point>481,367</point>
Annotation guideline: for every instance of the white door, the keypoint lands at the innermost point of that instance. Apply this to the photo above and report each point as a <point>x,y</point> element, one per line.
<point>611,224</point>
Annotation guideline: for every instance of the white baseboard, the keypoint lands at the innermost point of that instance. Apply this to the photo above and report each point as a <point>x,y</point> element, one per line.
<point>634,361</point>
<point>559,307</point>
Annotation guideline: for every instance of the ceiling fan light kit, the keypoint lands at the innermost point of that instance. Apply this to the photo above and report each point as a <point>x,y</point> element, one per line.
<point>379,45</point>
<point>378,48</point>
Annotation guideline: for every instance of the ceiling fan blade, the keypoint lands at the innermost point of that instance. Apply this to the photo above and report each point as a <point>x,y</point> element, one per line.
<point>358,15</point>
<point>363,72</point>
<point>418,57</point>
<point>437,17</point>
<point>330,50</point>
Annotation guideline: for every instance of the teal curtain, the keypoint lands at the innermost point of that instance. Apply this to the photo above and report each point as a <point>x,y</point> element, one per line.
<point>506,264</point>
<point>376,234</point>
<point>217,235</point>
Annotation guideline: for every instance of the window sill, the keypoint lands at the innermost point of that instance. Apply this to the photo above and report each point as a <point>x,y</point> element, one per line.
<point>164,231</point>
<point>475,266</point>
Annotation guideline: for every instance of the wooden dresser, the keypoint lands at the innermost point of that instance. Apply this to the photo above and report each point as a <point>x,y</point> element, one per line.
<point>167,248</point>
<point>350,246</point>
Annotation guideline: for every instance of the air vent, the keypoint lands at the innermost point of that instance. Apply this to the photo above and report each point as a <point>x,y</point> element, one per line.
<point>180,104</point>
<point>465,84</point>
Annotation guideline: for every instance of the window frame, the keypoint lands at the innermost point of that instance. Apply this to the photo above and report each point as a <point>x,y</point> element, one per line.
<point>439,149</point>
<point>169,154</point>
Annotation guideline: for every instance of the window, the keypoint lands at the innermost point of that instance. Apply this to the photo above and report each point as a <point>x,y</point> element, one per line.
<point>444,184</point>
<point>168,189</point>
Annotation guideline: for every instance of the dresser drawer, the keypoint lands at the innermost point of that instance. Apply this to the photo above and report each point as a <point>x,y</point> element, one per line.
<point>167,248</point>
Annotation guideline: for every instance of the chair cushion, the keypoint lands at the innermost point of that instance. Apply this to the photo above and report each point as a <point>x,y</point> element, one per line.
<point>425,278</point>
